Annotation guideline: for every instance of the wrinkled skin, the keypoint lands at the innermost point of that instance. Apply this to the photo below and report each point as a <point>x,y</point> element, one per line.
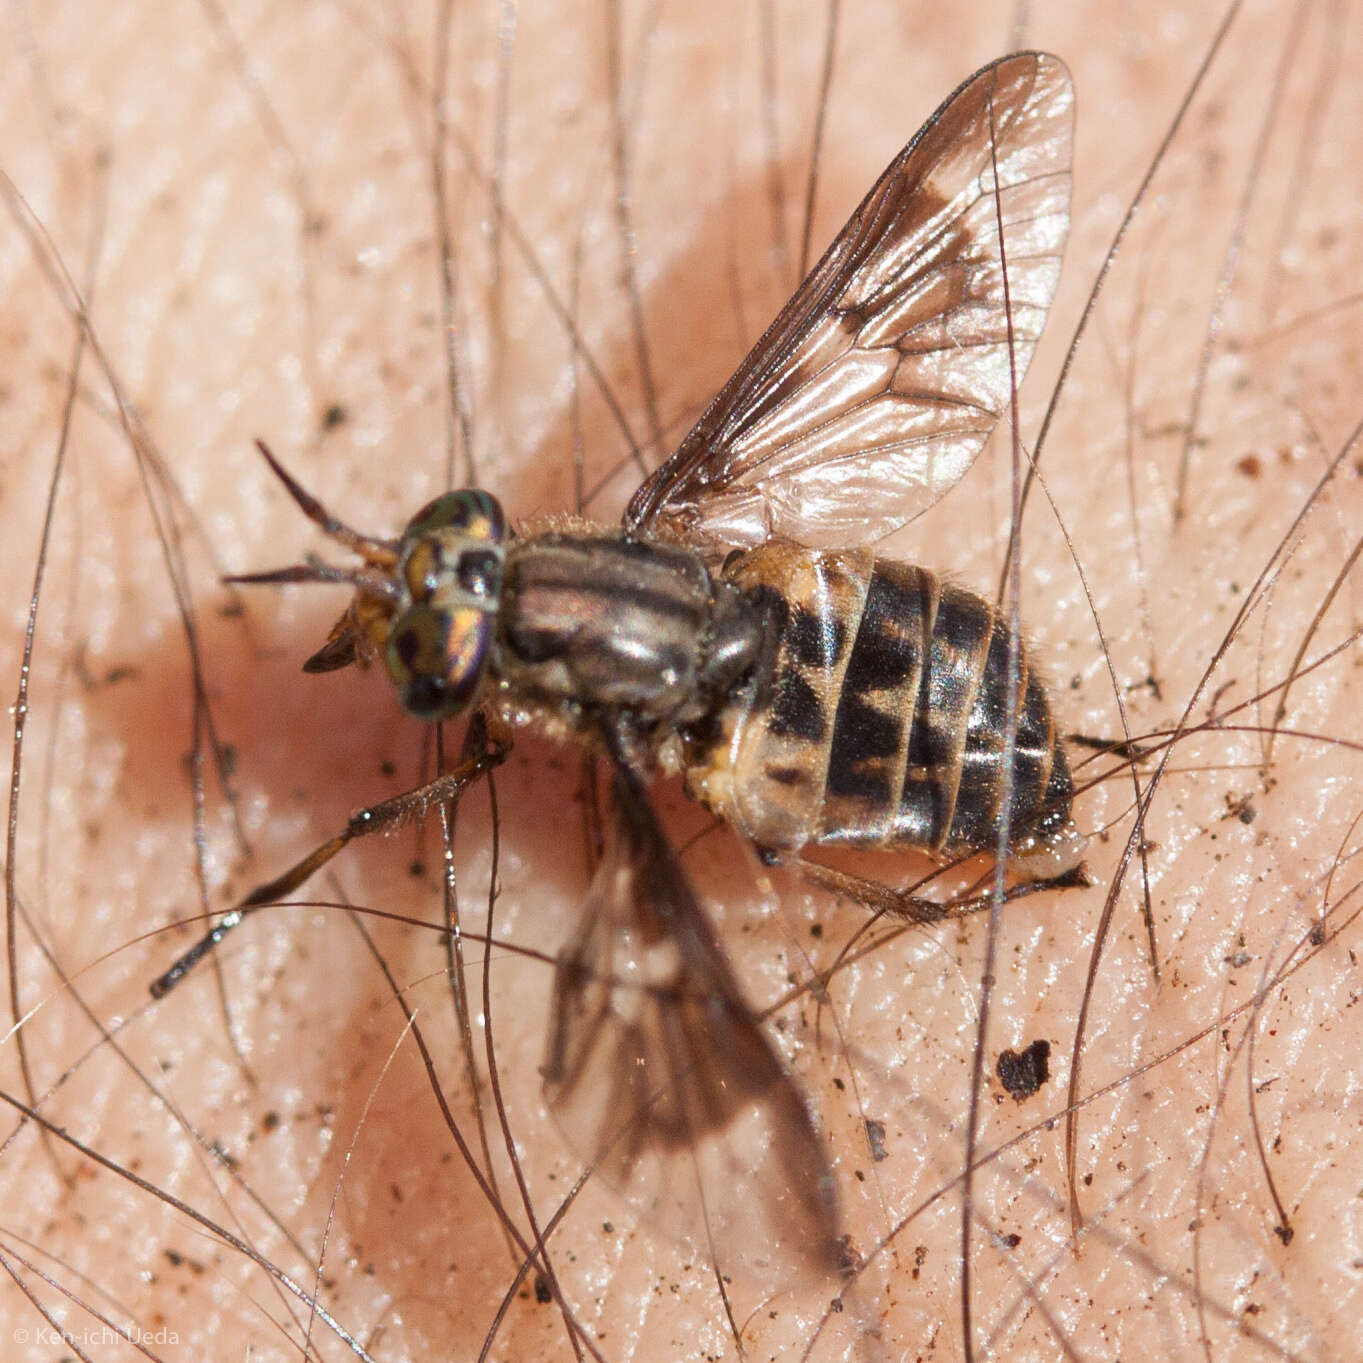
<point>201,310</point>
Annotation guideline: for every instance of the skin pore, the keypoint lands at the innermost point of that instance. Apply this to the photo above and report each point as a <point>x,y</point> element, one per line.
<point>259,188</point>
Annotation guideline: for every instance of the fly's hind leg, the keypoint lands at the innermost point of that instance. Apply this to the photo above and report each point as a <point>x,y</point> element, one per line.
<point>1128,749</point>
<point>382,817</point>
<point>904,904</point>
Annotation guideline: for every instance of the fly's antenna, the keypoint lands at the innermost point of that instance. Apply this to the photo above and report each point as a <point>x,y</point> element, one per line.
<point>312,569</point>
<point>380,553</point>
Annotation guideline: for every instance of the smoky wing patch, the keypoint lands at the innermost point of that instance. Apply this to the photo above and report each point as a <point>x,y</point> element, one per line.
<point>660,1076</point>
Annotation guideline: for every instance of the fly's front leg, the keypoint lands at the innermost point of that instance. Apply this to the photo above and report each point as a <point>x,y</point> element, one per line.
<point>378,818</point>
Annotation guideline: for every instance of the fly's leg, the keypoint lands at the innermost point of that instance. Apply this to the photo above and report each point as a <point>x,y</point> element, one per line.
<point>1127,748</point>
<point>388,814</point>
<point>885,899</point>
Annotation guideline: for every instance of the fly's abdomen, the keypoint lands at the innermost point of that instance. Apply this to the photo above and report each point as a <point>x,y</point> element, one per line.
<point>884,718</point>
<point>919,750</point>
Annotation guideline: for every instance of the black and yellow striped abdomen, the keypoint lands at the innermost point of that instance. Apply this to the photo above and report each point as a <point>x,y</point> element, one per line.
<point>882,717</point>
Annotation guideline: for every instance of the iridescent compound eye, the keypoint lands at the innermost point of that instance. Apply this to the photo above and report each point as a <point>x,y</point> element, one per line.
<point>450,578</point>
<point>436,659</point>
<point>475,514</point>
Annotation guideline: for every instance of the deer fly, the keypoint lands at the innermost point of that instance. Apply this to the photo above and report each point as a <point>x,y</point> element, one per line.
<point>738,629</point>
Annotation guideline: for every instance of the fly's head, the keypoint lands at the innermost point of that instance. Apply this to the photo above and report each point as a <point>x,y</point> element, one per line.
<point>425,603</point>
<point>438,638</point>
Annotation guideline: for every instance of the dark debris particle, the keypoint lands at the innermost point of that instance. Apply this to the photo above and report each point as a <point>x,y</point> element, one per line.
<point>229,1160</point>
<point>334,416</point>
<point>542,1293</point>
<point>875,1138</point>
<point>1022,1073</point>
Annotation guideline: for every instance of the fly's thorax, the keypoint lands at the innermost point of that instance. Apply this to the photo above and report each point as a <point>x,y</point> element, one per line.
<point>606,622</point>
<point>437,640</point>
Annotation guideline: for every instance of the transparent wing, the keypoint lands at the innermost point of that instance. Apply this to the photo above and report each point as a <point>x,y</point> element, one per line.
<point>877,385</point>
<point>660,1076</point>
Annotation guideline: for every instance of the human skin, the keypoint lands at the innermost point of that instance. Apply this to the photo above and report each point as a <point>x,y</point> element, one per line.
<point>228,317</point>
